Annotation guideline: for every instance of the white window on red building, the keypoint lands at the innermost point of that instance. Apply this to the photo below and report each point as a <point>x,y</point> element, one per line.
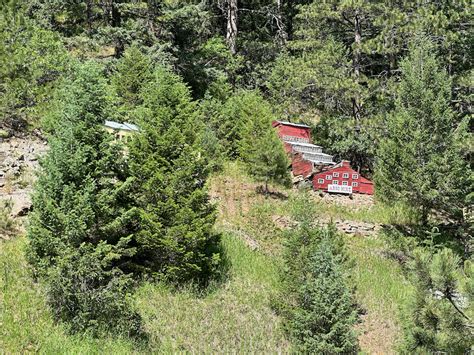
<point>335,182</point>
<point>355,176</point>
<point>355,184</point>
<point>335,174</point>
<point>321,181</point>
<point>328,177</point>
<point>344,183</point>
<point>345,176</point>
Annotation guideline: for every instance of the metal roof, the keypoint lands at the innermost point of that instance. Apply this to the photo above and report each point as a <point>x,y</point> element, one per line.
<point>293,124</point>
<point>124,126</point>
<point>304,144</point>
<point>320,161</point>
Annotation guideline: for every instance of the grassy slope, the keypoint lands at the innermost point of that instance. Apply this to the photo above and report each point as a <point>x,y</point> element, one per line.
<point>25,323</point>
<point>234,315</point>
<point>382,291</point>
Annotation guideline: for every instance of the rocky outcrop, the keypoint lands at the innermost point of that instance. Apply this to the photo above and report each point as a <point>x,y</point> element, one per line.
<point>343,226</point>
<point>354,227</point>
<point>19,154</point>
<point>18,162</point>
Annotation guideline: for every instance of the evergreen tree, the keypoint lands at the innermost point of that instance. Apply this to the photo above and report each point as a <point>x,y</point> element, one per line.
<point>266,159</point>
<point>32,60</point>
<point>133,71</point>
<point>420,160</point>
<point>176,240</point>
<point>315,299</point>
<point>327,76</point>
<point>441,313</point>
<point>259,145</point>
<point>80,232</point>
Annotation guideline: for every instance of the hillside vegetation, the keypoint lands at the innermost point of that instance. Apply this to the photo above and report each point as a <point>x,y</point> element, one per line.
<point>234,313</point>
<point>155,196</point>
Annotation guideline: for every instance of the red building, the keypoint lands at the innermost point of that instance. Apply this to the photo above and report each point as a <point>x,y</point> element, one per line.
<point>292,132</point>
<point>300,166</point>
<point>343,179</point>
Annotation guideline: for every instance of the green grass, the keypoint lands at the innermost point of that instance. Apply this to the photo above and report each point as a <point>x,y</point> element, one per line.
<point>381,290</point>
<point>234,315</point>
<point>26,325</point>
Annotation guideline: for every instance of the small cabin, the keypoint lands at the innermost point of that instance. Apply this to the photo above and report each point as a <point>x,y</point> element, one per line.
<point>121,131</point>
<point>341,178</point>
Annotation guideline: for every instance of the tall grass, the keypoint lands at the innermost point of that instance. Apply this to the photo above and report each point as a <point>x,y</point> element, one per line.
<point>26,325</point>
<point>231,317</point>
<point>381,290</point>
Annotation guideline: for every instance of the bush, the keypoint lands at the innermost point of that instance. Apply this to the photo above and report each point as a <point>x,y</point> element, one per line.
<point>86,290</point>
<point>7,223</point>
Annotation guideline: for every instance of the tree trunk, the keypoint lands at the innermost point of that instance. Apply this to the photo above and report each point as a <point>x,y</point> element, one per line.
<point>290,14</point>
<point>356,105</point>
<point>282,36</point>
<point>231,33</point>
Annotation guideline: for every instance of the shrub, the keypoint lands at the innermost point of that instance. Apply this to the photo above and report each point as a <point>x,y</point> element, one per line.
<point>87,291</point>
<point>7,223</point>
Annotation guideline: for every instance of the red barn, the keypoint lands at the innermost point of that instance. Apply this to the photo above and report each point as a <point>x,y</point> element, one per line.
<point>342,178</point>
<point>292,132</point>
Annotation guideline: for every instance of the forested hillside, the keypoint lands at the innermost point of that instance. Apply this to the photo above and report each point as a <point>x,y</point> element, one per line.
<point>158,210</point>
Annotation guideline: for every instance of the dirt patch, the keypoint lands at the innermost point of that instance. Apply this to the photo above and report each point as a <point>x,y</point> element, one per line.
<point>377,336</point>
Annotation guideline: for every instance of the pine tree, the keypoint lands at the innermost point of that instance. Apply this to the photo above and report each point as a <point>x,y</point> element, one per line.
<point>315,299</point>
<point>258,144</point>
<point>32,60</point>
<point>133,72</point>
<point>176,241</point>
<point>264,155</point>
<point>440,315</point>
<point>327,75</point>
<point>420,160</point>
<point>80,231</point>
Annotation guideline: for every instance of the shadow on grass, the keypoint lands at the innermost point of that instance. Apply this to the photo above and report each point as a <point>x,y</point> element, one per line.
<point>212,278</point>
<point>273,194</point>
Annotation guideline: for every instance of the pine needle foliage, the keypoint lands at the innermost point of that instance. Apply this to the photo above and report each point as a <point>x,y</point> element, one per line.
<point>176,241</point>
<point>80,230</point>
<point>316,300</point>
<point>420,159</point>
<point>441,313</point>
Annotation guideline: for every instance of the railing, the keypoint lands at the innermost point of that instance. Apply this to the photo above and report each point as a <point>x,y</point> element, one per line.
<point>318,158</point>
<point>307,149</point>
<point>290,139</point>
